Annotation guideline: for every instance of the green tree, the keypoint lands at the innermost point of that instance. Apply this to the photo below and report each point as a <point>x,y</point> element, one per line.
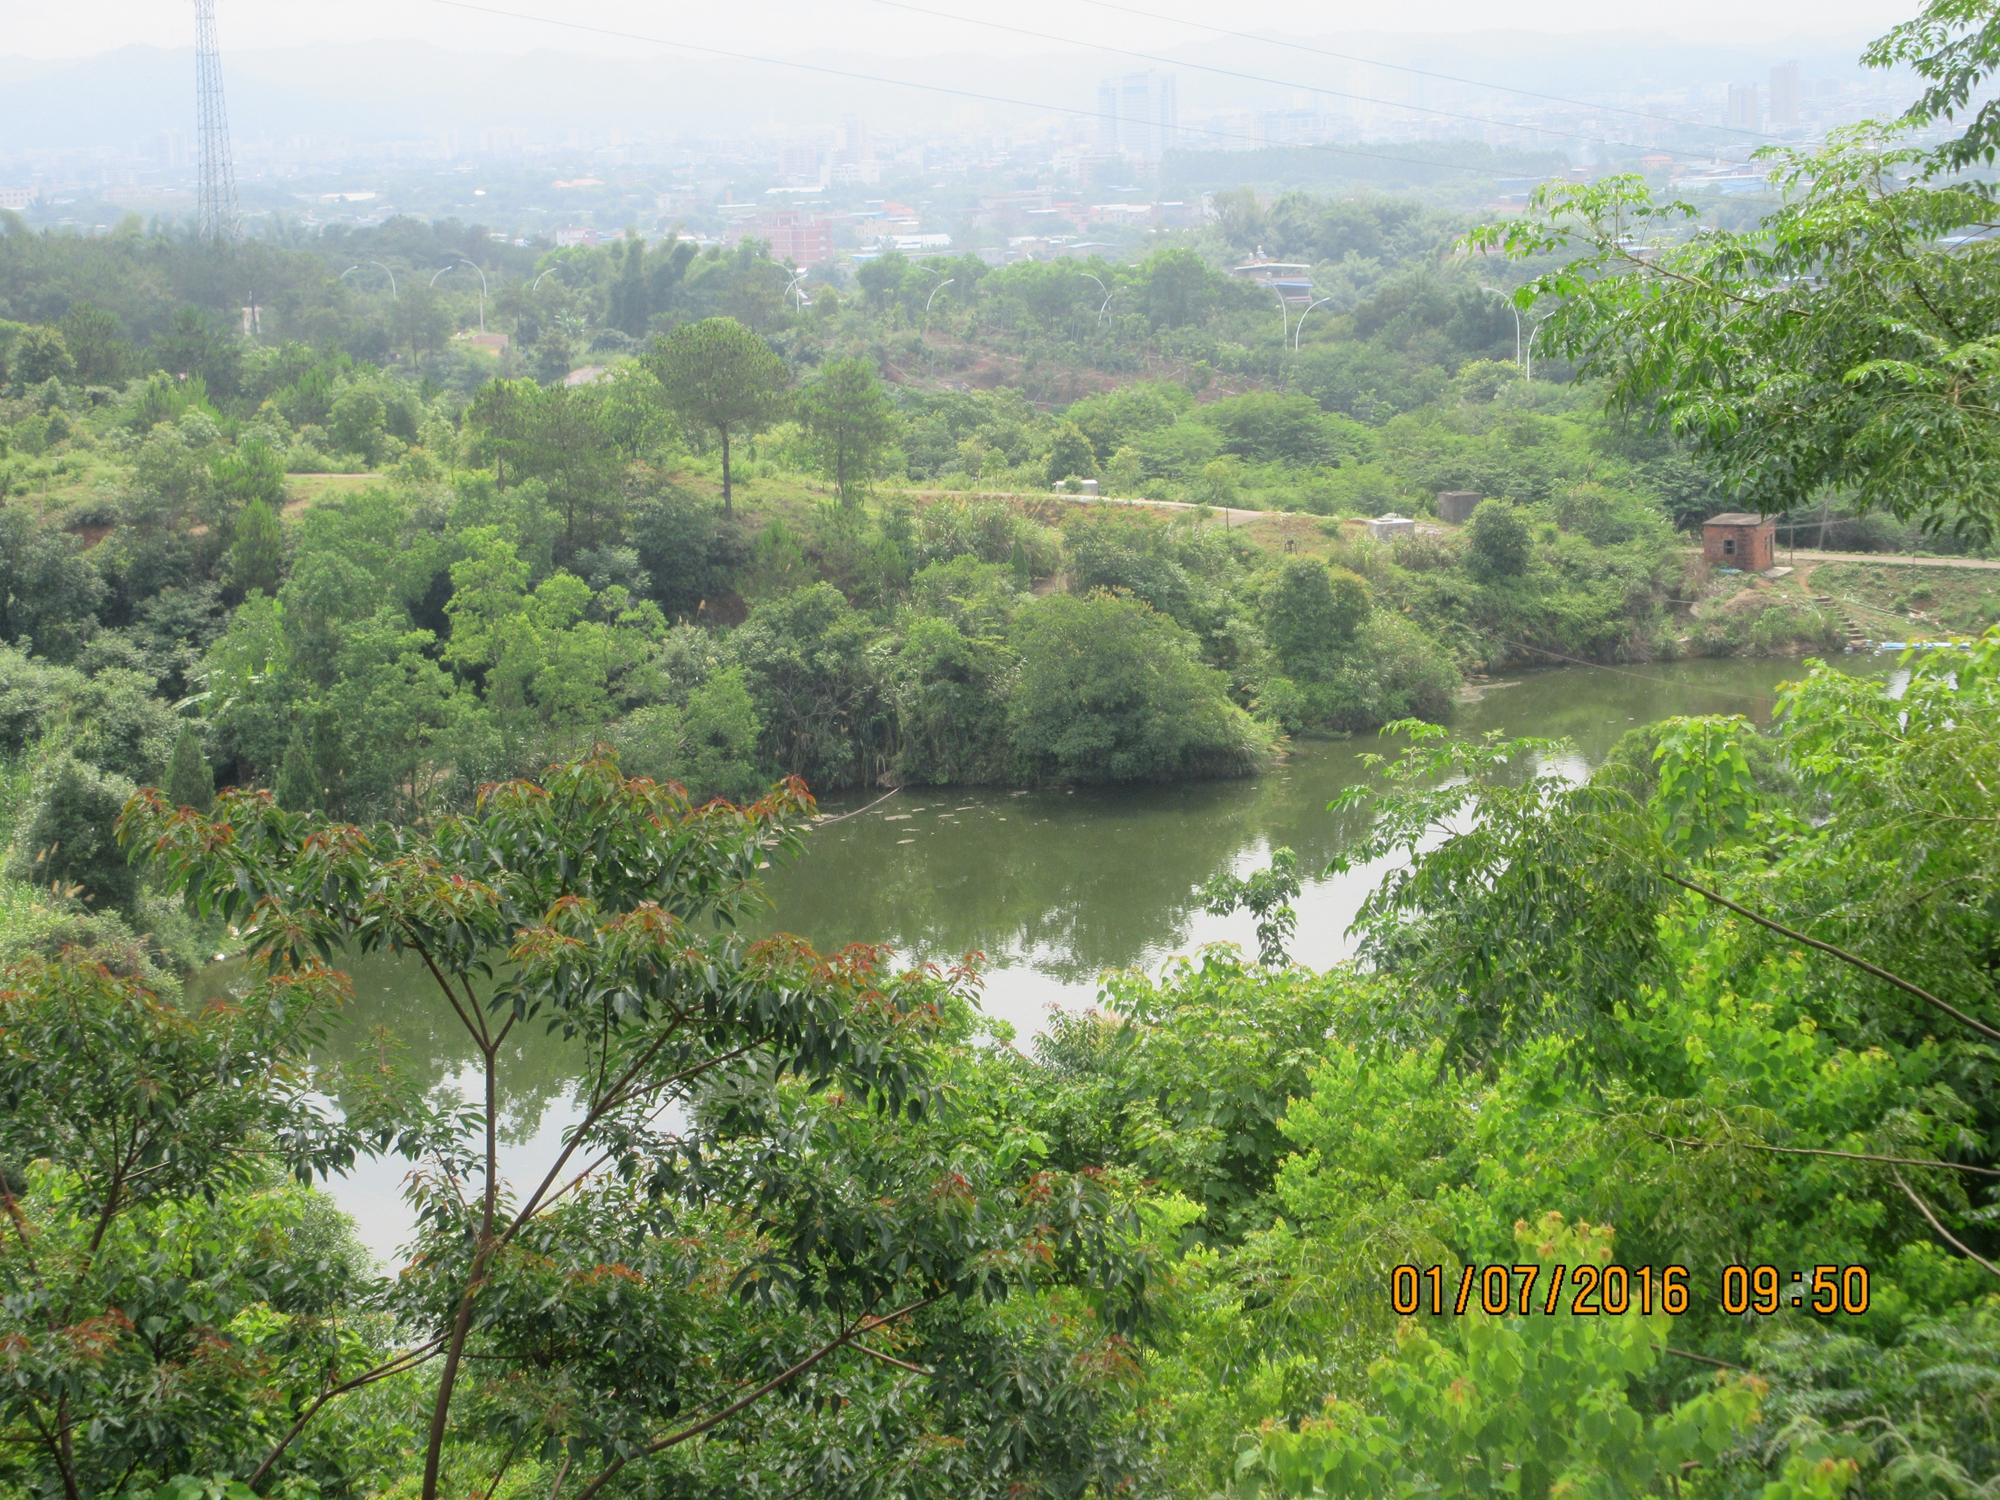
<point>190,783</point>
<point>196,346</point>
<point>1070,454</point>
<point>817,687</point>
<point>554,435</point>
<point>1108,690</point>
<point>257,552</point>
<point>49,592</point>
<point>1501,543</point>
<point>102,355</point>
<point>719,376</point>
<point>250,470</point>
<point>1177,288</point>
<point>1527,1404</point>
<point>1312,611</point>
<point>42,354</point>
<point>848,422</point>
<point>298,784</point>
<point>1842,343</point>
<point>66,839</point>
<point>164,1310</point>
<point>1267,894</point>
<point>606,907</point>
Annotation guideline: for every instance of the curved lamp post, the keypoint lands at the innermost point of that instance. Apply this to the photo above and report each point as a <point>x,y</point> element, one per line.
<point>1284,314</point>
<point>1532,332</point>
<point>1109,293</point>
<point>385,271</point>
<point>791,286</point>
<point>543,277</point>
<point>934,291</point>
<point>1301,328</point>
<point>482,287</point>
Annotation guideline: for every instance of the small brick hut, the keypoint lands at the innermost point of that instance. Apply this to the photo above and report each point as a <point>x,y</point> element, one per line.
<point>1737,539</point>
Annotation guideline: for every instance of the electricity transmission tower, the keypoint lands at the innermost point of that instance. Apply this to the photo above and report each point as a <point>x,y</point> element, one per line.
<point>217,203</point>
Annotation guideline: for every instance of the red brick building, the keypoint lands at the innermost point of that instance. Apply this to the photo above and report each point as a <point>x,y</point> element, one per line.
<point>1737,539</point>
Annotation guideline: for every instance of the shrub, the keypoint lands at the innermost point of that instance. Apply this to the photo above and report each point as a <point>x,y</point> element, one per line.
<point>67,837</point>
<point>1501,544</point>
<point>1110,690</point>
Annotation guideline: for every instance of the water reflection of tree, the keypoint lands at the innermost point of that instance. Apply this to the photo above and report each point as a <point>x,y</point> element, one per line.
<point>1085,881</point>
<point>392,994</point>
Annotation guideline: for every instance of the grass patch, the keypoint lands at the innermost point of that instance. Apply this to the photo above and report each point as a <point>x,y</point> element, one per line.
<point>1955,601</point>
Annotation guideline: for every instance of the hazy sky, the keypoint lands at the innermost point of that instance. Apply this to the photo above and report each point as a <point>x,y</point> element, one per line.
<point>80,28</point>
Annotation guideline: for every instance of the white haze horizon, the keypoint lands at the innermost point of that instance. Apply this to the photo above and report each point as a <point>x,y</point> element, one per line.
<point>90,28</point>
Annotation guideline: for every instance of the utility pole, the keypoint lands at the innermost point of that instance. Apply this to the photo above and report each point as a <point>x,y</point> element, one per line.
<point>216,206</point>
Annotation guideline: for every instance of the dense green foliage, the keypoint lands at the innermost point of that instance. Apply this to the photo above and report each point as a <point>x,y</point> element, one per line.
<point>814,1226</point>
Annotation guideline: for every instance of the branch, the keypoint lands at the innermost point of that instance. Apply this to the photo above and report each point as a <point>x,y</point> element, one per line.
<point>890,1359</point>
<point>843,817</point>
<point>1949,1238</point>
<point>407,1360</point>
<point>763,1390</point>
<point>1840,953</point>
<point>475,1023</point>
<point>1899,1161</point>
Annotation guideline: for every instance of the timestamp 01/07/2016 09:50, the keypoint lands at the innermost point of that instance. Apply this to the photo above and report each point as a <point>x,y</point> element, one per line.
<point>1591,1290</point>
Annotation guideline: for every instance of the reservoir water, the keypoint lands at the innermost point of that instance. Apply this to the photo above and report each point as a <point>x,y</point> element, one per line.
<point>1053,887</point>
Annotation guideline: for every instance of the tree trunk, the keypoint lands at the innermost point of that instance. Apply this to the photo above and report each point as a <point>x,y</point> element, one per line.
<point>727,509</point>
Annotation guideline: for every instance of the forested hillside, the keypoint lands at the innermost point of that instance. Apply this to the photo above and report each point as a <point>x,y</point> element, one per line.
<point>1646,1148</point>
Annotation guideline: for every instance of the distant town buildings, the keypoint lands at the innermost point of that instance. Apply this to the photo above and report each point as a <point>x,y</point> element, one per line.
<point>1784,95</point>
<point>1138,114</point>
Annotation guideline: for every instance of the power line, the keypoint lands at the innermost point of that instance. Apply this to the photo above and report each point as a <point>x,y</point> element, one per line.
<point>1478,83</point>
<point>1285,83</point>
<point>932,88</point>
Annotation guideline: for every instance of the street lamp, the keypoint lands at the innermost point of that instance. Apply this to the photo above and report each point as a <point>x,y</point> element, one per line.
<point>1302,320</point>
<point>1531,346</point>
<point>482,287</point>
<point>1284,314</point>
<point>542,278</point>
<point>1109,293</point>
<point>1496,292</point>
<point>934,291</point>
<point>385,271</point>
<point>792,285</point>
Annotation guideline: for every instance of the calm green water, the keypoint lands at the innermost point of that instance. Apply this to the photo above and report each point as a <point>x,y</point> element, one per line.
<point>1056,887</point>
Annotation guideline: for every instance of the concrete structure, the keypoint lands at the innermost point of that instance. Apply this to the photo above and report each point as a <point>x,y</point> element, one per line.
<point>1388,528</point>
<point>1291,280</point>
<point>1738,539</point>
<point>1456,506</point>
<point>794,235</point>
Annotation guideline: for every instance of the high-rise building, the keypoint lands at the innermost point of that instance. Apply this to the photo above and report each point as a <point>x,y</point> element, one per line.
<point>1138,113</point>
<point>854,145</point>
<point>1784,95</point>
<point>1743,106</point>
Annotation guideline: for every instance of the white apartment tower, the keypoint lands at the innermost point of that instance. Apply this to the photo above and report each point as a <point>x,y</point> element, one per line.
<point>1784,94</point>
<point>1138,113</point>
